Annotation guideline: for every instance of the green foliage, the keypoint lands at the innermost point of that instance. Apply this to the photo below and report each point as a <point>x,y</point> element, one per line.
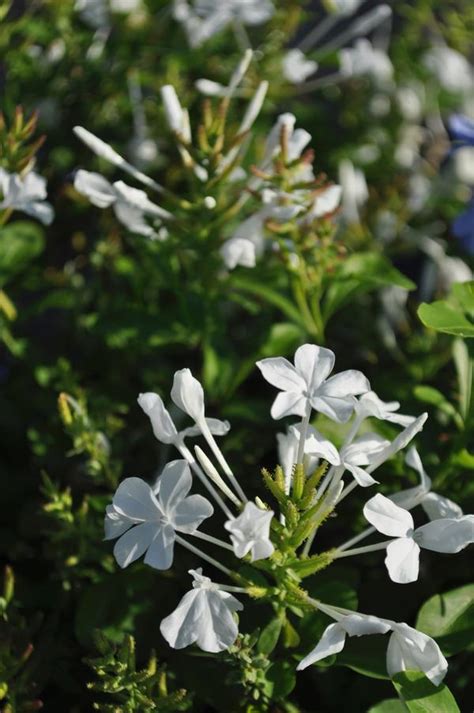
<point>449,618</point>
<point>453,316</point>
<point>127,689</point>
<point>421,696</point>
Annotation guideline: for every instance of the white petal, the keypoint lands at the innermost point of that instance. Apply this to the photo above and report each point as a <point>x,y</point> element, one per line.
<point>448,535</point>
<point>317,445</point>
<point>437,507</point>
<point>115,524</point>
<point>363,624</point>
<point>363,448</point>
<point>175,484</point>
<point>261,550</point>
<point>413,459</point>
<point>190,513</point>
<point>402,560</point>
<point>173,109</point>
<point>238,251</point>
<point>331,642</point>
<point>178,628</point>
<point>402,440</point>
<point>326,202</point>
<point>387,517</point>
<point>134,543</point>
<point>280,373</point>
<point>134,498</point>
<point>41,211</point>
<point>360,475</point>
<point>97,188</point>
<point>346,383</point>
<point>216,427</point>
<point>314,364</point>
<point>161,422</point>
<point>339,410</point>
<point>161,550</point>
<point>188,394</point>
<point>287,403</point>
<point>409,649</point>
<point>132,218</point>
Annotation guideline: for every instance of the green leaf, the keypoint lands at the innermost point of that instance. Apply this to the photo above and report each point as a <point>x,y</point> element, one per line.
<point>442,317</point>
<point>432,396</point>
<point>282,338</point>
<point>449,618</point>
<point>391,705</point>
<point>262,290</point>
<point>268,639</point>
<point>282,675</point>
<point>464,293</point>
<point>421,696</point>
<point>20,243</point>
<point>361,273</point>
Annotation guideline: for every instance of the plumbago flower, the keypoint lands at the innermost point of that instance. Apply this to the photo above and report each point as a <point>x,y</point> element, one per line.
<point>210,166</point>
<point>306,488</point>
<point>25,193</point>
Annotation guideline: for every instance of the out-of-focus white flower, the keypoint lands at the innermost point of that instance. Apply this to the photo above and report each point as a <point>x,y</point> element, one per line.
<point>297,139</point>
<point>410,99</point>
<point>296,67</point>
<point>238,251</point>
<point>365,59</point>
<point>410,139</point>
<point>250,532</point>
<point>147,520</point>
<point>202,19</point>
<point>452,70</point>
<point>448,535</point>
<point>307,383</point>
<point>130,205</point>
<point>419,187</point>
<point>204,617</point>
<point>354,190</point>
<point>345,7</point>
<point>26,194</point>
<point>463,163</point>
<point>326,202</point>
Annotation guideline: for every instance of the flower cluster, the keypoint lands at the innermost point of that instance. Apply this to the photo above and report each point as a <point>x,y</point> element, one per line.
<point>308,486</point>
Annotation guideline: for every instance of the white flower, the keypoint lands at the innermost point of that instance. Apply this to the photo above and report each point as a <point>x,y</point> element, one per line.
<point>354,190</point>
<point>463,161</point>
<point>362,452</point>
<point>26,194</point>
<point>297,139</point>
<point>452,70</point>
<point>130,204</point>
<point>176,116</point>
<point>147,520</point>
<point>448,535</point>
<point>334,637</point>
<point>364,59</point>
<point>238,251</point>
<point>370,406</point>
<point>316,446</point>
<point>307,383</point>
<point>325,202</point>
<point>204,616</point>
<point>250,532</point>
<point>163,425</point>
<point>409,649</point>
<point>296,68</point>
<point>188,395</point>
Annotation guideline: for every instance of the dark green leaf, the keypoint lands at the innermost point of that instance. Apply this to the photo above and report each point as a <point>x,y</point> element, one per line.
<point>269,637</point>
<point>20,243</point>
<point>421,696</point>
<point>391,705</point>
<point>449,618</point>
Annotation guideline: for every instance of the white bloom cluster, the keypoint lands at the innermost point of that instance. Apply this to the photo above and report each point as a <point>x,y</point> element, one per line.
<point>302,200</point>
<point>202,19</point>
<point>149,520</point>
<point>26,193</point>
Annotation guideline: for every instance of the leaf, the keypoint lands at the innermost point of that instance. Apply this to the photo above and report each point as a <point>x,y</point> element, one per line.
<point>268,639</point>
<point>464,363</point>
<point>283,676</point>
<point>442,317</point>
<point>20,243</point>
<point>282,338</point>
<point>261,289</point>
<point>391,705</point>
<point>464,293</point>
<point>421,696</point>
<point>361,273</point>
<point>449,618</point>
<point>432,396</point>
<point>365,655</point>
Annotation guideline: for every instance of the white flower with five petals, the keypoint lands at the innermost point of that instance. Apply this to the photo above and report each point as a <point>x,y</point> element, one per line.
<point>146,520</point>
<point>307,384</point>
<point>447,535</point>
<point>250,532</point>
<point>204,617</point>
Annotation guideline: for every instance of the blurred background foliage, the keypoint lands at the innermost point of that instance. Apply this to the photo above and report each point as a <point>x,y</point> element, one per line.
<point>91,315</point>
